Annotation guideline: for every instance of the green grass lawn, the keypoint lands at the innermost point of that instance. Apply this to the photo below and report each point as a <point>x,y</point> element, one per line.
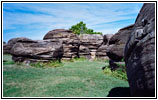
<point>81,78</point>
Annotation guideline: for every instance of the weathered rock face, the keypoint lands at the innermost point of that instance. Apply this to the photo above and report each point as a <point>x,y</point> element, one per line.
<point>7,47</point>
<point>84,52</point>
<point>101,52</point>
<point>19,39</point>
<point>140,53</point>
<point>70,42</point>
<point>32,51</point>
<point>117,43</point>
<point>107,39</point>
<point>92,42</point>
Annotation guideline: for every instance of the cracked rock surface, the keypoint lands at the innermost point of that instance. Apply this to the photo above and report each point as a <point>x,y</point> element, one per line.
<point>140,53</point>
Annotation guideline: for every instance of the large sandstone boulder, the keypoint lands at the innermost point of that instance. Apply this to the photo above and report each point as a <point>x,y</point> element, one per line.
<point>70,42</point>
<point>140,53</point>
<point>92,42</point>
<point>28,50</point>
<point>117,43</point>
<point>7,47</point>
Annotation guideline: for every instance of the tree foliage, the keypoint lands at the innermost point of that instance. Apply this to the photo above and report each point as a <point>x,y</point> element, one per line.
<point>81,26</point>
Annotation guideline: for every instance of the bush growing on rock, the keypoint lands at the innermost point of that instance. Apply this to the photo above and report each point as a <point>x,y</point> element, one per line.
<point>80,28</point>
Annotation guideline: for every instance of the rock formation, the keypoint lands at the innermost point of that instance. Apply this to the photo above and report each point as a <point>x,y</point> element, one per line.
<point>107,39</point>
<point>27,50</point>
<point>7,47</point>
<point>101,51</point>
<point>117,43</point>
<point>92,42</point>
<point>70,42</point>
<point>140,53</point>
<point>85,45</point>
<point>84,52</point>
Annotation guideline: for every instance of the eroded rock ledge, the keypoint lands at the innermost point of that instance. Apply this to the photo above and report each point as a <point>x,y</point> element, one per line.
<point>27,50</point>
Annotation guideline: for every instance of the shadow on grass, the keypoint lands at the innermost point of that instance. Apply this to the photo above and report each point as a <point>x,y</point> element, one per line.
<point>119,92</point>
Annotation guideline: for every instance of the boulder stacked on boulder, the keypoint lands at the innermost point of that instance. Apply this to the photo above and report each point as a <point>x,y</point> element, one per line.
<point>85,45</point>
<point>27,50</point>
<point>117,43</point>
<point>140,53</point>
<point>70,42</point>
<point>91,42</point>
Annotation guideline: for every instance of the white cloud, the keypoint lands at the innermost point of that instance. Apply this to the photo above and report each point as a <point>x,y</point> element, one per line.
<point>46,17</point>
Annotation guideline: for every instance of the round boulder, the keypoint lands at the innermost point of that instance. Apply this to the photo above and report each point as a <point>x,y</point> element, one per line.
<point>117,43</point>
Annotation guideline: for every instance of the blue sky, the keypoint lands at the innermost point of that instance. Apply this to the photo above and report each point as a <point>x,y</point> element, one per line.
<point>34,20</point>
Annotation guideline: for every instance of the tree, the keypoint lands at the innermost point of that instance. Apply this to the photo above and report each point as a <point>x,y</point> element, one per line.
<point>80,28</point>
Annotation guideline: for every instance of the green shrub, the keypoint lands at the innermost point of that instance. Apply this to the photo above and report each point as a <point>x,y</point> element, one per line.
<point>19,63</point>
<point>78,59</point>
<point>47,64</point>
<point>8,62</point>
<point>117,73</point>
<point>80,28</point>
<point>38,65</point>
<point>122,67</point>
<point>107,71</point>
<point>53,64</point>
<point>106,60</point>
<point>102,60</point>
<point>122,60</point>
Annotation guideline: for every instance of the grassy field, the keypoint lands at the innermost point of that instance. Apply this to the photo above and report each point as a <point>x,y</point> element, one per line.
<point>80,78</point>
